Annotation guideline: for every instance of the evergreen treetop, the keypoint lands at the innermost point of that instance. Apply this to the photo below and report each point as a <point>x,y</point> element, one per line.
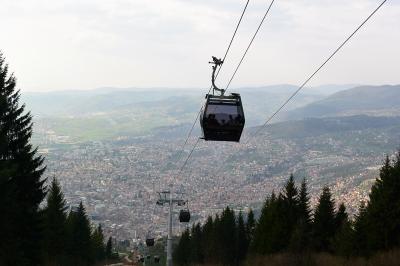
<point>55,218</point>
<point>324,221</point>
<point>21,183</point>
<point>304,203</point>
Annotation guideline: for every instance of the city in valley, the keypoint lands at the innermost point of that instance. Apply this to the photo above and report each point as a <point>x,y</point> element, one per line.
<point>118,179</point>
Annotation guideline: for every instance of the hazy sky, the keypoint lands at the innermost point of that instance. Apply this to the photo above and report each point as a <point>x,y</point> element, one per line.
<point>84,44</point>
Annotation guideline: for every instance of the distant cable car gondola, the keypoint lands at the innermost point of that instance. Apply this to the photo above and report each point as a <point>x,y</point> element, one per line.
<point>149,242</point>
<point>222,117</point>
<point>184,216</point>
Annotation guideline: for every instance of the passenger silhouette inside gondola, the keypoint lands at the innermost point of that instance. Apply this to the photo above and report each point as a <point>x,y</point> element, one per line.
<point>238,119</point>
<point>212,121</point>
<point>231,121</point>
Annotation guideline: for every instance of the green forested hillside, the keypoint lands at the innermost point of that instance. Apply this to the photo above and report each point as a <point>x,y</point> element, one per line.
<point>376,100</point>
<point>290,227</point>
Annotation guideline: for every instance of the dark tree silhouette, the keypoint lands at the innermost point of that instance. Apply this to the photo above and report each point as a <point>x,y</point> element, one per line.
<point>286,226</point>
<point>55,218</point>
<point>341,217</point>
<point>182,252</point>
<point>344,233</point>
<point>227,237</point>
<point>383,209</point>
<point>242,240</point>
<point>98,248</point>
<point>290,210</point>
<point>79,242</point>
<point>301,235</point>
<point>21,185</point>
<point>250,226</point>
<point>361,231</point>
<point>324,222</point>
<point>109,248</point>
<point>269,230</point>
<point>209,240</point>
<point>197,251</point>
<point>304,204</point>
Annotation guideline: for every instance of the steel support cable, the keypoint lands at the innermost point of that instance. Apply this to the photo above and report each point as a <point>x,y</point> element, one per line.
<point>248,46</point>
<point>244,54</point>
<point>308,79</point>
<point>314,73</point>
<point>251,42</point>
<point>230,43</point>
<point>188,135</point>
<point>219,69</point>
<point>188,157</point>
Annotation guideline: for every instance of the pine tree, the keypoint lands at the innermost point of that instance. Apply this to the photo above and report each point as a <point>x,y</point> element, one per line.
<point>324,222</point>
<point>344,234</point>
<point>21,185</point>
<point>109,248</point>
<point>290,193</point>
<point>55,225</point>
<point>250,226</point>
<point>207,241</point>
<point>341,217</point>
<point>181,254</point>
<point>98,248</point>
<point>361,231</point>
<point>228,237</point>
<point>241,239</point>
<point>79,232</point>
<point>216,240</point>
<point>304,203</point>
<point>301,236</point>
<point>383,209</point>
<point>269,230</point>
<point>291,210</point>
<point>197,252</point>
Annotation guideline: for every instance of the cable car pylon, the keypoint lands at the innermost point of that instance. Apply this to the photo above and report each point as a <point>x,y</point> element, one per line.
<point>165,197</point>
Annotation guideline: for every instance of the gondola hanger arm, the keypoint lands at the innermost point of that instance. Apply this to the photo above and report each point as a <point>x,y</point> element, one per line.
<point>216,62</point>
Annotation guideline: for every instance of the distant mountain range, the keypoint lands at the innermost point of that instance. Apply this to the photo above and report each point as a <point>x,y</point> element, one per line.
<point>84,102</point>
<point>371,100</point>
<point>109,113</point>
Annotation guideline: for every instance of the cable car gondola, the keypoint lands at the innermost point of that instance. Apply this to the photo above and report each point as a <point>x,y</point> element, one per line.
<point>156,259</point>
<point>149,242</point>
<point>184,216</point>
<point>222,117</point>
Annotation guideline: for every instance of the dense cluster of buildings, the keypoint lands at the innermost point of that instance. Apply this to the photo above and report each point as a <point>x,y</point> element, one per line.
<point>118,180</point>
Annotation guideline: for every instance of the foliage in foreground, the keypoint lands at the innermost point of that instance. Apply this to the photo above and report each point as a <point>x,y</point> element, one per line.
<point>69,239</point>
<point>29,234</point>
<point>289,233</point>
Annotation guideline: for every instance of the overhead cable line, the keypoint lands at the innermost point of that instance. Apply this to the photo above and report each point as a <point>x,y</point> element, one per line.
<point>248,47</point>
<point>219,69</point>
<point>230,43</point>
<point>188,157</point>
<point>243,56</point>
<point>188,135</point>
<point>314,73</point>
<point>307,80</point>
